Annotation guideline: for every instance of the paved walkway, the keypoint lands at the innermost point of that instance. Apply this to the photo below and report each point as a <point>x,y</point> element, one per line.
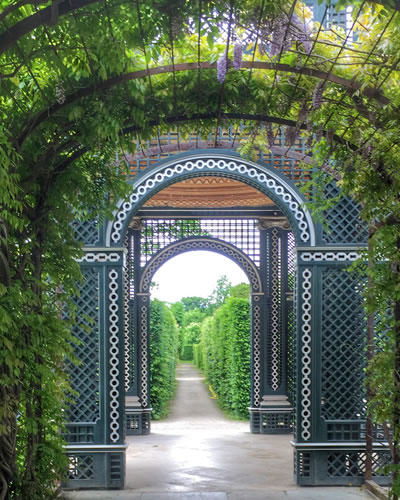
<point>197,454</point>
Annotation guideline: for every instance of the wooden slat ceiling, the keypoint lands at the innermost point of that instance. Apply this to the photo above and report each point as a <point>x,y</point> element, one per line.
<point>209,192</point>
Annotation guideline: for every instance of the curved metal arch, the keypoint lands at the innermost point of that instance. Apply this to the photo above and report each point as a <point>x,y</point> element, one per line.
<point>267,181</point>
<point>351,85</point>
<point>201,243</point>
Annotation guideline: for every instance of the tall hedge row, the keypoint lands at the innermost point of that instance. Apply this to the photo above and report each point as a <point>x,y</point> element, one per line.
<point>224,354</point>
<point>164,341</point>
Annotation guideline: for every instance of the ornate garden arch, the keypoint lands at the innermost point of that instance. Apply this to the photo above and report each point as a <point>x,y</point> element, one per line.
<point>141,423</point>
<point>267,180</point>
<point>329,395</point>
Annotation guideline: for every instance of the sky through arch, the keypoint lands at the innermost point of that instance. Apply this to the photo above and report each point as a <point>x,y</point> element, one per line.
<point>194,274</point>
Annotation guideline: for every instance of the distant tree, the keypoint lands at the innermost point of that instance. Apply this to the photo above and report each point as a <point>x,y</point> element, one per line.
<point>193,316</point>
<point>192,333</point>
<point>220,293</point>
<point>190,303</point>
<point>178,311</point>
<point>240,291</point>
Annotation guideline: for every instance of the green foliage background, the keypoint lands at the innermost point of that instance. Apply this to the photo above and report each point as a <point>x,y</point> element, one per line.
<point>163,355</point>
<point>224,354</point>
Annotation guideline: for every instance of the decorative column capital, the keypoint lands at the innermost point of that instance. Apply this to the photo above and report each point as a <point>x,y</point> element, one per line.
<point>136,224</point>
<point>273,221</point>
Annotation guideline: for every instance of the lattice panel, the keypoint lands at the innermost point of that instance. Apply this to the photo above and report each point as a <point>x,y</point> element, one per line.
<point>277,422</point>
<point>242,233</point>
<point>280,245</point>
<point>351,431</point>
<point>291,320</point>
<point>343,343</point>
<point>84,377</point>
<point>87,232</point>
<point>343,432</point>
<point>353,463</point>
<point>289,167</point>
<point>129,313</point>
<point>343,220</point>
<point>80,434</point>
<point>274,340</point>
<point>81,467</point>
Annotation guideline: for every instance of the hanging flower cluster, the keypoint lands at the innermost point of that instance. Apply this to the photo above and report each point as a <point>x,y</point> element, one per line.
<point>281,41</point>
<point>301,33</point>
<point>291,134</point>
<point>303,113</point>
<point>237,55</point>
<point>270,134</point>
<point>222,63</point>
<point>317,95</point>
<point>221,68</point>
<point>279,35</point>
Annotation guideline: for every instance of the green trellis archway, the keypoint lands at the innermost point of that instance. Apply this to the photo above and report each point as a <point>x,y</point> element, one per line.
<point>73,92</point>
<point>329,405</point>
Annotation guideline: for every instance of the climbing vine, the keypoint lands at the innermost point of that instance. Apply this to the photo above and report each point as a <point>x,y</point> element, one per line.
<point>74,92</point>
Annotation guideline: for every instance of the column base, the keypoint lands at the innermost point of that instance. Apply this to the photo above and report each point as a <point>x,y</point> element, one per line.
<point>138,419</point>
<point>338,464</point>
<point>95,466</point>
<point>273,416</point>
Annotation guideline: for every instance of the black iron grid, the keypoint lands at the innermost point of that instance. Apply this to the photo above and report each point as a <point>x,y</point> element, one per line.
<point>239,232</point>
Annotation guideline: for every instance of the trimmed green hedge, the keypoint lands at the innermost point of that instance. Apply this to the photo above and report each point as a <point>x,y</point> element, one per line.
<point>187,353</point>
<point>198,356</point>
<point>224,354</point>
<point>164,340</point>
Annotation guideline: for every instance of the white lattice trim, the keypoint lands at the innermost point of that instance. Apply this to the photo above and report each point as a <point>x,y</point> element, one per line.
<point>275,292</point>
<point>100,257</point>
<point>256,350</point>
<point>306,354</point>
<point>329,256</point>
<point>143,344</point>
<point>219,163</point>
<point>114,351</point>
<point>127,340</point>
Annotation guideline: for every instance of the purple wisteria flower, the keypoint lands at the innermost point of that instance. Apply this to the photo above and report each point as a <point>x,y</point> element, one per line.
<point>301,33</point>
<point>281,40</point>
<point>317,95</point>
<point>270,134</point>
<point>291,134</point>
<point>221,68</point>
<point>237,55</point>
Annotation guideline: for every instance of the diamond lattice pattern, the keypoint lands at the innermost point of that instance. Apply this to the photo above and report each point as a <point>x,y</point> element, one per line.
<point>86,232</point>
<point>343,220</point>
<point>343,342</point>
<point>353,464</point>
<point>84,377</point>
<point>80,467</point>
